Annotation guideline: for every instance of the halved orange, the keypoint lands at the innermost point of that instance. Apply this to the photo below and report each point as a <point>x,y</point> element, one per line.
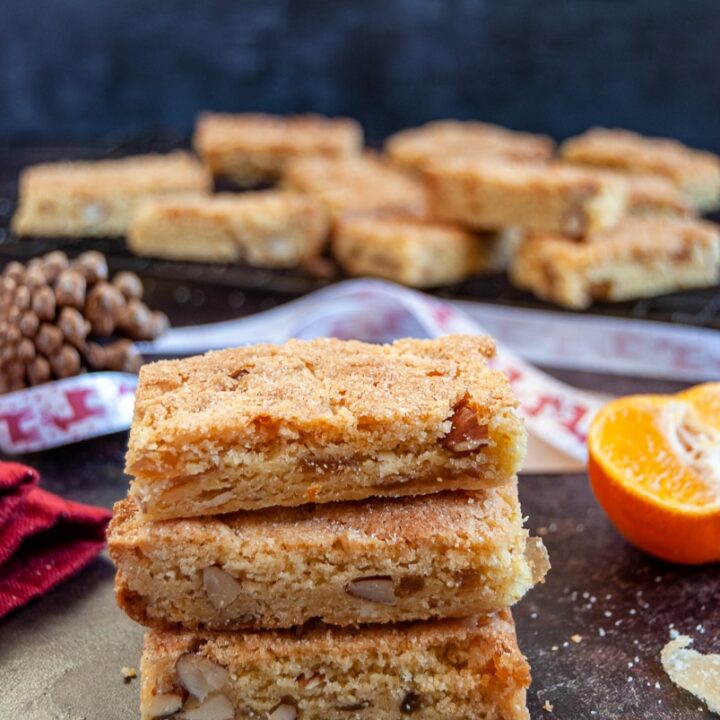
<point>654,465</point>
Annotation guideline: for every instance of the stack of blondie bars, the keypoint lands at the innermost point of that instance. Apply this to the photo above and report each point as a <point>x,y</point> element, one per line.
<point>327,530</point>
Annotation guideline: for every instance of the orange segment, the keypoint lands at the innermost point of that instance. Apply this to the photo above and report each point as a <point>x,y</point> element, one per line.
<point>654,465</point>
<point>706,400</point>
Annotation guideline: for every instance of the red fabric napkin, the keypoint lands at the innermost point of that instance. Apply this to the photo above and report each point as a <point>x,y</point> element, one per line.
<point>43,538</point>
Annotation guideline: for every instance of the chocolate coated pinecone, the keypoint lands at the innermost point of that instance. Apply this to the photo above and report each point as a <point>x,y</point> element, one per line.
<point>61,317</point>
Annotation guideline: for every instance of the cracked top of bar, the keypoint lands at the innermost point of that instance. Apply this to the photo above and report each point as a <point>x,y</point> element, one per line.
<point>319,421</point>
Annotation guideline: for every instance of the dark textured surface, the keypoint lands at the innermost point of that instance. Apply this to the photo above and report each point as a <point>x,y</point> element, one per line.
<point>85,68</point>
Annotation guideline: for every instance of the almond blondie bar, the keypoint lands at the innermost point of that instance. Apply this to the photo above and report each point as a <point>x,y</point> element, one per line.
<point>359,183</point>
<point>641,257</point>
<point>489,194</point>
<point>265,229</point>
<point>409,250</point>
<point>416,148</point>
<point>98,198</point>
<point>459,669</point>
<point>251,149</point>
<point>695,172</point>
<point>320,421</point>
<point>384,560</point>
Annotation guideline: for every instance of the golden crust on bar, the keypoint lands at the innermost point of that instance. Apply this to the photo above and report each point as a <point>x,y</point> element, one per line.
<point>491,194</point>
<point>460,669</point>
<point>97,198</point>
<point>320,421</point>
<point>417,148</point>
<point>379,561</point>
<point>251,149</point>
<point>695,172</point>
<point>409,250</point>
<point>357,184</point>
<point>641,257</point>
<point>263,229</point>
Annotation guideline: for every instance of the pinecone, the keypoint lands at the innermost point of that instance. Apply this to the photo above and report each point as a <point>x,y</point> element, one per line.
<point>59,318</point>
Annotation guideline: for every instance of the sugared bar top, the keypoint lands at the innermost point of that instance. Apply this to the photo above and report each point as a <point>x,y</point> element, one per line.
<point>321,421</point>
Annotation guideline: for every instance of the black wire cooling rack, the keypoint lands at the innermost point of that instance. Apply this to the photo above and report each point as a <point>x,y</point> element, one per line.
<point>695,307</point>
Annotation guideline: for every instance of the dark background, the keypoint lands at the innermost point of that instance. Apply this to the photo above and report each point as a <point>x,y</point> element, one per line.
<point>82,69</point>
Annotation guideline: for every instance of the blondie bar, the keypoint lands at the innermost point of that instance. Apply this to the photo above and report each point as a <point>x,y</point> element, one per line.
<point>358,183</point>
<point>491,194</point>
<point>98,198</point>
<point>641,257</point>
<point>416,148</point>
<point>383,560</point>
<point>653,195</point>
<point>252,149</point>
<point>409,250</point>
<point>459,669</point>
<point>320,421</point>
<point>265,229</point>
<point>695,172</point>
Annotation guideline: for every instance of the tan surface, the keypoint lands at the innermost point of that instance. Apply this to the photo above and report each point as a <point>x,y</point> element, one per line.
<point>252,149</point>
<point>98,198</point>
<point>465,670</point>
<point>409,251</point>
<point>492,194</point>
<point>695,172</point>
<point>359,183</point>
<point>449,555</point>
<point>416,148</point>
<point>653,195</point>
<point>265,229</point>
<point>642,257</point>
<point>318,421</point>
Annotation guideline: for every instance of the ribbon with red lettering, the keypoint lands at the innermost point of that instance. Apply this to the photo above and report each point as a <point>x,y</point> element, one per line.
<point>375,311</point>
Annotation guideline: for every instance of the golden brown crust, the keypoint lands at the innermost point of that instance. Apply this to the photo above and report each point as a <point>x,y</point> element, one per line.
<point>462,669</point>
<point>640,257</point>
<point>335,420</point>
<point>417,148</point>
<point>651,195</point>
<point>265,229</point>
<point>98,198</point>
<point>253,148</point>
<point>492,193</point>
<point>409,250</point>
<point>451,555</point>
<point>358,183</point>
<point>695,172</point>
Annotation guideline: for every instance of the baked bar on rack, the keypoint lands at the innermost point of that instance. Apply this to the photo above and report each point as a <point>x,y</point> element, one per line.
<point>459,669</point>
<point>264,229</point>
<point>383,560</point>
<point>357,184</point>
<point>653,195</point>
<point>641,257</point>
<point>98,198</point>
<point>251,149</point>
<point>409,250</point>
<point>695,172</point>
<point>489,194</point>
<point>320,421</point>
<point>416,148</point>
